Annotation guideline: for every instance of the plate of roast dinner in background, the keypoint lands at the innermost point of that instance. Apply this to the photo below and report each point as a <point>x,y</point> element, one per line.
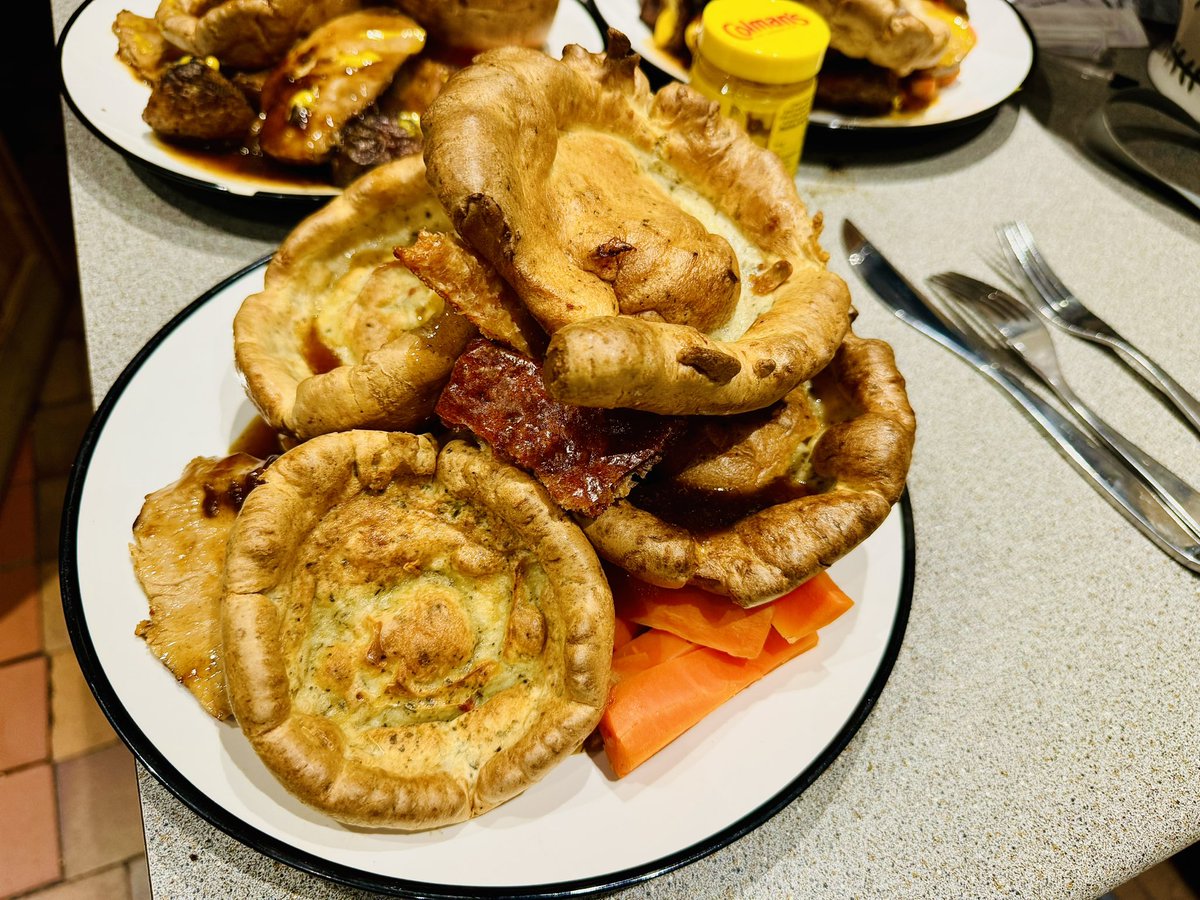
<point>109,97</point>
<point>991,70</point>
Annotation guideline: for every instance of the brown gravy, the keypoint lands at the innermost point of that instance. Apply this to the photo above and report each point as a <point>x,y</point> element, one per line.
<point>319,357</point>
<point>260,440</point>
<point>244,165</point>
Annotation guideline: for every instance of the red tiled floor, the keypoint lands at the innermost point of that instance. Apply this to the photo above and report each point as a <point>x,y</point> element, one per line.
<point>54,623</point>
<point>28,830</point>
<point>51,492</point>
<point>22,469</point>
<point>78,725</point>
<point>24,736</point>
<point>20,612</point>
<point>101,817</point>
<point>18,524</point>
<point>110,884</point>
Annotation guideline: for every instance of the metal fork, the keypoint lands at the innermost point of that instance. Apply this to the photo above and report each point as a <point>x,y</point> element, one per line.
<point>1014,325</point>
<point>1055,301</point>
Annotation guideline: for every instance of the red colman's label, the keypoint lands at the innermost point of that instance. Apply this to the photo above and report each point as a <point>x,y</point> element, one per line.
<point>748,29</point>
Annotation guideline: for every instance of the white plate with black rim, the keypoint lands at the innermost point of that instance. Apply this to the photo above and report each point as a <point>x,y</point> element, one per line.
<point>579,830</point>
<point>991,73</point>
<point>108,98</point>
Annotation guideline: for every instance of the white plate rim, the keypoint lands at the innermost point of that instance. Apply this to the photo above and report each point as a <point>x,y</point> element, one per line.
<point>194,798</point>
<point>177,168</point>
<point>830,121</point>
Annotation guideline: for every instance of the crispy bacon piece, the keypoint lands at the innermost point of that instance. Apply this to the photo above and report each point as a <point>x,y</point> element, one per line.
<point>587,458</point>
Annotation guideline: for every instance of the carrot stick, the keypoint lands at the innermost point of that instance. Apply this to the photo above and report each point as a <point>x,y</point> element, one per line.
<point>649,709</point>
<point>814,604</point>
<point>648,649</point>
<point>693,614</point>
<point>623,631</point>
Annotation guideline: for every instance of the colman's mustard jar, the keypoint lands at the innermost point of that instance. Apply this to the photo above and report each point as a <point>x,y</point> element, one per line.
<point>759,60</point>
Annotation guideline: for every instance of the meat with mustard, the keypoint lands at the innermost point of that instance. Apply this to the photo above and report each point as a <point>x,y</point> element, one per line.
<point>333,75</point>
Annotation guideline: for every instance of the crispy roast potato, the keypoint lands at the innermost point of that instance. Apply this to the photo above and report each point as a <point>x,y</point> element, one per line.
<point>141,46</point>
<point>750,506</point>
<point>411,637</point>
<point>669,258</point>
<point>342,335</point>
<point>244,34</point>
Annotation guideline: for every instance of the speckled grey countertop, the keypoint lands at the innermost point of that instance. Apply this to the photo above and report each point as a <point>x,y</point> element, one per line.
<point>1040,733</point>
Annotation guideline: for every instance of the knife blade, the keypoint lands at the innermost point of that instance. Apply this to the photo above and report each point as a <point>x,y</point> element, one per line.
<point>1107,473</point>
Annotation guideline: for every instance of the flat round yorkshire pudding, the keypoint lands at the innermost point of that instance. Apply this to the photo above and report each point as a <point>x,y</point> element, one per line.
<point>752,506</point>
<point>411,637</point>
<point>668,256</point>
<point>244,34</point>
<point>342,335</point>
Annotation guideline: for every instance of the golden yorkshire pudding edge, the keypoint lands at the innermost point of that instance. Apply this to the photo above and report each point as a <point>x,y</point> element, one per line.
<point>669,257</point>
<point>342,335</point>
<point>821,488</point>
<point>893,34</point>
<point>411,637</point>
<point>483,24</point>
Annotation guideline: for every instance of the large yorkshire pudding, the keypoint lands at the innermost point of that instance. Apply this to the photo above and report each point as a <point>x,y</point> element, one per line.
<point>342,335</point>
<point>668,256</point>
<point>411,637</point>
<point>244,34</point>
<point>483,24</point>
<point>754,505</point>
<point>894,34</point>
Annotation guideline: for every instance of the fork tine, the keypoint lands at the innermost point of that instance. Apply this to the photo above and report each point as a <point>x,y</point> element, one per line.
<point>1017,243</point>
<point>1003,269</point>
<point>983,327</point>
<point>1010,308</point>
<point>955,294</point>
<point>1012,247</point>
<point>964,286</point>
<point>1040,261</point>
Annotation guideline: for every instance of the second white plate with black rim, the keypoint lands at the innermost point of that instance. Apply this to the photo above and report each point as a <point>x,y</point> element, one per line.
<point>991,73</point>
<point>108,98</point>
<point>579,830</point>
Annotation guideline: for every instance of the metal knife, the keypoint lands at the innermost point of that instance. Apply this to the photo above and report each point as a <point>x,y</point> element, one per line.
<point>1108,474</point>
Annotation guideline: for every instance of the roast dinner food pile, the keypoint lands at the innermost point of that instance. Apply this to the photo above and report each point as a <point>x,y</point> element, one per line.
<point>586,348</point>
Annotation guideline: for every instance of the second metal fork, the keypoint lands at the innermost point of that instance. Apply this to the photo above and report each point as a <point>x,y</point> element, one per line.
<point>1061,307</point>
<point>1018,328</point>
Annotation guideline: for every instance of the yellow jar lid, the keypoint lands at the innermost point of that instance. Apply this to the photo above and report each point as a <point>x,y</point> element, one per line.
<point>771,41</point>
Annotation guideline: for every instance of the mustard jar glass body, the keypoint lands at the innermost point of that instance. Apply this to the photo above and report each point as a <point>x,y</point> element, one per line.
<point>759,60</point>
